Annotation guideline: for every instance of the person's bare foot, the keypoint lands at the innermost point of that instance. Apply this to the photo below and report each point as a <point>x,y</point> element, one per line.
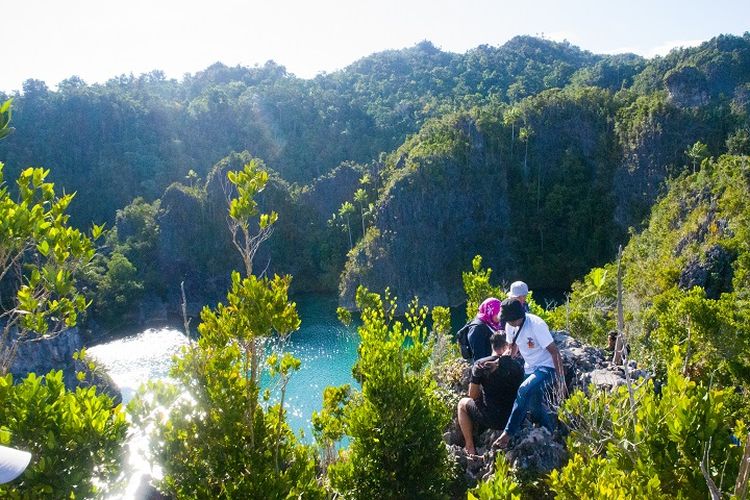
<point>502,441</point>
<point>470,450</point>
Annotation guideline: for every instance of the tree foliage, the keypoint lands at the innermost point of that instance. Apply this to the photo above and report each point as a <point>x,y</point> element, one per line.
<point>395,421</point>
<point>221,439</point>
<point>651,443</point>
<point>75,437</point>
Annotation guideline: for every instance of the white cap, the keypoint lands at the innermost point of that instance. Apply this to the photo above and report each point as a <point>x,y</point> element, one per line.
<point>12,463</point>
<point>518,289</point>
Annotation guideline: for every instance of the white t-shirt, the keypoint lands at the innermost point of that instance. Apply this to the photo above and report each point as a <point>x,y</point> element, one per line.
<point>532,342</point>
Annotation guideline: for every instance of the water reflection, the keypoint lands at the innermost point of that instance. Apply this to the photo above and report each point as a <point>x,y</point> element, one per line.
<point>326,348</point>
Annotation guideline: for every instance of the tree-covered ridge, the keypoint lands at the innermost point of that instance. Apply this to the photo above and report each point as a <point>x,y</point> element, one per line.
<point>579,138</point>
<point>716,67</point>
<point>515,183</point>
<point>157,129</point>
<point>685,279</point>
<point>579,164</point>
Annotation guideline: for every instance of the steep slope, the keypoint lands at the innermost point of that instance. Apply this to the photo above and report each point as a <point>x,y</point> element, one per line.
<point>467,185</point>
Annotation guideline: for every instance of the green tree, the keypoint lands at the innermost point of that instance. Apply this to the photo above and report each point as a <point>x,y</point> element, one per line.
<point>525,134</point>
<point>345,211</point>
<point>328,423</point>
<point>361,197</point>
<point>40,254</point>
<point>74,437</point>
<point>223,441</point>
<point>478,288</point>
<point>395,422</point>
<point>247,238</point>
<point>5,116</point>
<point>511,117</point>
<point>697,153</point>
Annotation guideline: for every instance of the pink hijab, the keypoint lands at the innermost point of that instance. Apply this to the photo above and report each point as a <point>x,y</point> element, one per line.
<point>487,312</point>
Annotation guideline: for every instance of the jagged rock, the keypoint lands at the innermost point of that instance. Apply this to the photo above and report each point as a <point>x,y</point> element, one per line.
<point>41,355</point>
<point>603,378</point>
<point>418,207</point>
<point>536,451</point>
<point>687,87</point>
<point>712,271</point>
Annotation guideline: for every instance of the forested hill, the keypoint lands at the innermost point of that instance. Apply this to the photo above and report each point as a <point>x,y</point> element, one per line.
<point>536,154</point>
<point>133,136</point>
<point>548,186</point>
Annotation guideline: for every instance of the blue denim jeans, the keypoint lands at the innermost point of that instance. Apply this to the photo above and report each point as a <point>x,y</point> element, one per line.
<point>531,398</point>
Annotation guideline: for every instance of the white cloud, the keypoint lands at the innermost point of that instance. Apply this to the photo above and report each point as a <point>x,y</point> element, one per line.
<point>664,48</point>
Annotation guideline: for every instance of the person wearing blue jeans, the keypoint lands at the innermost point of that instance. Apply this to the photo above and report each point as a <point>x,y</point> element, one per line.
<point>530,398</point>
<point>529,335</point>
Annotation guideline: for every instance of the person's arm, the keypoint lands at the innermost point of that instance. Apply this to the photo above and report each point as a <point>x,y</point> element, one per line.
<point>559,369</point>
<point>476,379</point>
<point>474,391</point>
<point>510,333</point>
<point>479,341</point>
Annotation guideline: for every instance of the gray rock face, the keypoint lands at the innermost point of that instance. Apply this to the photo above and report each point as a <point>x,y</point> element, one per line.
<point>428,225</point>
<point>687,87</point>
<point>534,451</point>
<point>713,271</point>
<point>42,355</point>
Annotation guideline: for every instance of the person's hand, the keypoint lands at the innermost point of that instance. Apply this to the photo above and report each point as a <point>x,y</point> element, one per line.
<point>502,442</point>
<point>562,388</point>
<point>489,365</point>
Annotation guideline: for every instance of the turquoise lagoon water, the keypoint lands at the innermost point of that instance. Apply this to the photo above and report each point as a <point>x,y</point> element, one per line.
<point>326,348</point>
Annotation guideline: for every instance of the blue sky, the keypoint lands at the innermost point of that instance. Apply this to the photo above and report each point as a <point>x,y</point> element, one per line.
<point>96,40</point>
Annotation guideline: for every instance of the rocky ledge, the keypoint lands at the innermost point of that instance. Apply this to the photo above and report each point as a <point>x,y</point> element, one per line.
<point>534,451</point>
<point>41,355</point>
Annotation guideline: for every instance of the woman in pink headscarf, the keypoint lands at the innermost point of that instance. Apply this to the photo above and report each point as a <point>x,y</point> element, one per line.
<point>484,324</point>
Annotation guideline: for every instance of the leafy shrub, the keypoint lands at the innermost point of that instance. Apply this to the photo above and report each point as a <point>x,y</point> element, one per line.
<point>648,443</point>
<point>478,288</point>
<point>500,487</point>
<point>219,440</point>
<point>74,437</point>
<point>589,313</point>
<point>395,422</point>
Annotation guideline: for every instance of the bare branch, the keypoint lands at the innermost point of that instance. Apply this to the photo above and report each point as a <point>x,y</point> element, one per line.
<point>742,487</point>
<point>712,488</point>
<point>185,319</point>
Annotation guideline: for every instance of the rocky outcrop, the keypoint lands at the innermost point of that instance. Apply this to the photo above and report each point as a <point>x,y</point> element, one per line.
<point>41,355</point>
<point>712,271</point>
<point>687,87</point>
<point>534,451</point>
<point>435,215</point>
<point>194,243</point>
<point>326,194</point>
<point>467,185</point>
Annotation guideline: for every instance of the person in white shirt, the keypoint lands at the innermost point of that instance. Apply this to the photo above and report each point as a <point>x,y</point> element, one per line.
<point>530,335</point>
<point>518,290</point>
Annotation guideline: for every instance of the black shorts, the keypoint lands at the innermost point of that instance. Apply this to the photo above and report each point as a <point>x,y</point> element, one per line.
<point>486,417</point>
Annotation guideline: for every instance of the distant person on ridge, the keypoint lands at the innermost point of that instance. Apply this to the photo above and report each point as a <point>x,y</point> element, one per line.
<point>492,392</point>
<point>481,328</point>
<point>518,290</point>
<point>543,366</point>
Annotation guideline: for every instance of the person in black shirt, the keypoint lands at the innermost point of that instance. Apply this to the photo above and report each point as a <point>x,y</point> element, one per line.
<point>492,392</point>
